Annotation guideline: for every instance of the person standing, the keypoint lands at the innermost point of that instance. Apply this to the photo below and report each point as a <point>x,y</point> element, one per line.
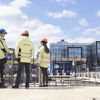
<point>74,64</point>
<point>3,49</point>
<point>24,52</point>
<point>44,61</point>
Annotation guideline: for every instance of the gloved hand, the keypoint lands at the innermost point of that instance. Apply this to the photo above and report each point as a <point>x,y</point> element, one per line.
<point>13,52</point>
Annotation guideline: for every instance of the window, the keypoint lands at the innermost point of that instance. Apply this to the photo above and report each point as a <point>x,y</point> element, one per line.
<point>74,52</point>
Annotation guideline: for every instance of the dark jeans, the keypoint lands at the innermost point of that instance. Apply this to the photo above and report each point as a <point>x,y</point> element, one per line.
<point>2,72</point>
<point>27,70</point>
<point>2,63</point>
<point>45,75</point>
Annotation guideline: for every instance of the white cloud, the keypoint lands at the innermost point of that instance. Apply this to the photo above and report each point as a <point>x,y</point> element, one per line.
<point>92,31</point>
<point>98,13</point>
<point>11,15</point>
<point>63,14</point>
<point>83,22</point>
<point>81,40</point>
<point>15,21</point>
<point>19,3</point>
<point>32,24</point>
<point>46,30</point>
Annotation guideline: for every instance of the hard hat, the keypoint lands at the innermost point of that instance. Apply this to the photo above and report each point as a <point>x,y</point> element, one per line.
<point>3,31</point>
<point>25,32</point>
<point>44,39</point>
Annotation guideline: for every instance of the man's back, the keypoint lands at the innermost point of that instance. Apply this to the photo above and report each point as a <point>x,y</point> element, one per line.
<point>25,50</point>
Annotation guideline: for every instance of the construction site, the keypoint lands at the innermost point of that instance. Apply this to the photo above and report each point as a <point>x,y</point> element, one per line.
<point>50,50</point>
<point>78,80</point>
<point>62,71</point>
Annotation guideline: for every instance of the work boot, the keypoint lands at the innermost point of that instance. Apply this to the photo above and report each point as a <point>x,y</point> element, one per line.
<point>15,86</point>
<point>3,86</point>
<point>43,85</point>
<point>46,85</point>
<point>27,87</point>
<point>40,85</point>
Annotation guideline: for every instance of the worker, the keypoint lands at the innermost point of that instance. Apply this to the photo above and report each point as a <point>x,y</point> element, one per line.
<point>44,61</point>
<point>74,64</point>
<point>3,49</point>
<point>24,52</point>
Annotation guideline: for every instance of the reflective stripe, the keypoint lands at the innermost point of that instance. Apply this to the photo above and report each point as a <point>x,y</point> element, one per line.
<point>25,53</point>
<point>1,56</point>
<point>44,61</point>
<point>46,57</point>
<point>1,48</point>
<point>24,57</point>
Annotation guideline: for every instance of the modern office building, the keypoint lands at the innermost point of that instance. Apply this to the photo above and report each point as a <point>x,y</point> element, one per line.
<point>62,54</point>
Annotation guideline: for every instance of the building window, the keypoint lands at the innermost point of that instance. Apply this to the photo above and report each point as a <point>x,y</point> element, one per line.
<point>74,52</point>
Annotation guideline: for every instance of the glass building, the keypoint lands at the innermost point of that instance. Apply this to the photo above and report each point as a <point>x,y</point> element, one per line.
<point>95,52</point>
<point>62,54</point>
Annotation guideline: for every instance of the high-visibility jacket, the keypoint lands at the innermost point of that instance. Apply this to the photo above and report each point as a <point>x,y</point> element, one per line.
<point>3,48</point>
<point>44,58</point>
<point>74,62</point>
<point>25,50</point>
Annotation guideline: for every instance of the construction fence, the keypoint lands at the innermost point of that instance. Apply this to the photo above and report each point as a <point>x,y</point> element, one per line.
<point>81,79</point>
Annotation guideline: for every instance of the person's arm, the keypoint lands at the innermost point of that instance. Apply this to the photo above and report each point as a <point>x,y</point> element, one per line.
<point>40,55</point>
<point>17,49</point>
<point>5,48</point>
<point>32,50</point>
<point>1,46</point>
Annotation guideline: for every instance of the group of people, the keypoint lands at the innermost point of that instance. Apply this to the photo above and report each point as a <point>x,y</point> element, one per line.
<point>24,52</point>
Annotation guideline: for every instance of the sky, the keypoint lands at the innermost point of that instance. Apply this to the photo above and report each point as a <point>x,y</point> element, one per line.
<point>75,21</point>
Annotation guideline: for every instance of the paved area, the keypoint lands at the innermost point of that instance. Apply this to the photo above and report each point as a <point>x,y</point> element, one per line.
<point>51,93</point>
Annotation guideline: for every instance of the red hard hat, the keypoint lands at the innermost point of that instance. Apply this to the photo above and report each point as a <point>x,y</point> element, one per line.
<point>25,32</point>
<point>44,39</point>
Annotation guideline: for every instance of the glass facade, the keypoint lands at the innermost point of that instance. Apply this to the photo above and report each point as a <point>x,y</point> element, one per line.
<point>68,50</point>
<point>97,53</point>
<point>93,53</point>
<point>74,52</point>
<point>98,49</point>
<point>89,51</point>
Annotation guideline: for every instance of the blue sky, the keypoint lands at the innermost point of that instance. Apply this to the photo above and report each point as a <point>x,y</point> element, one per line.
<point>72,20</point>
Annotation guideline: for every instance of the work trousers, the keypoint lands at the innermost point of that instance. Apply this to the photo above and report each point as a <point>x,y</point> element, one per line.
<point>2,63</point>
<point>44,75</point>
<point>19,72</point>
<point>2,72</point>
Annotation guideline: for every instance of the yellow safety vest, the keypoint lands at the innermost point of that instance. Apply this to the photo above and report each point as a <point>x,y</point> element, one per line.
<point>3,48</point>
<point>74,62</point>
<point>44,58</point>
<point>24,50</point>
